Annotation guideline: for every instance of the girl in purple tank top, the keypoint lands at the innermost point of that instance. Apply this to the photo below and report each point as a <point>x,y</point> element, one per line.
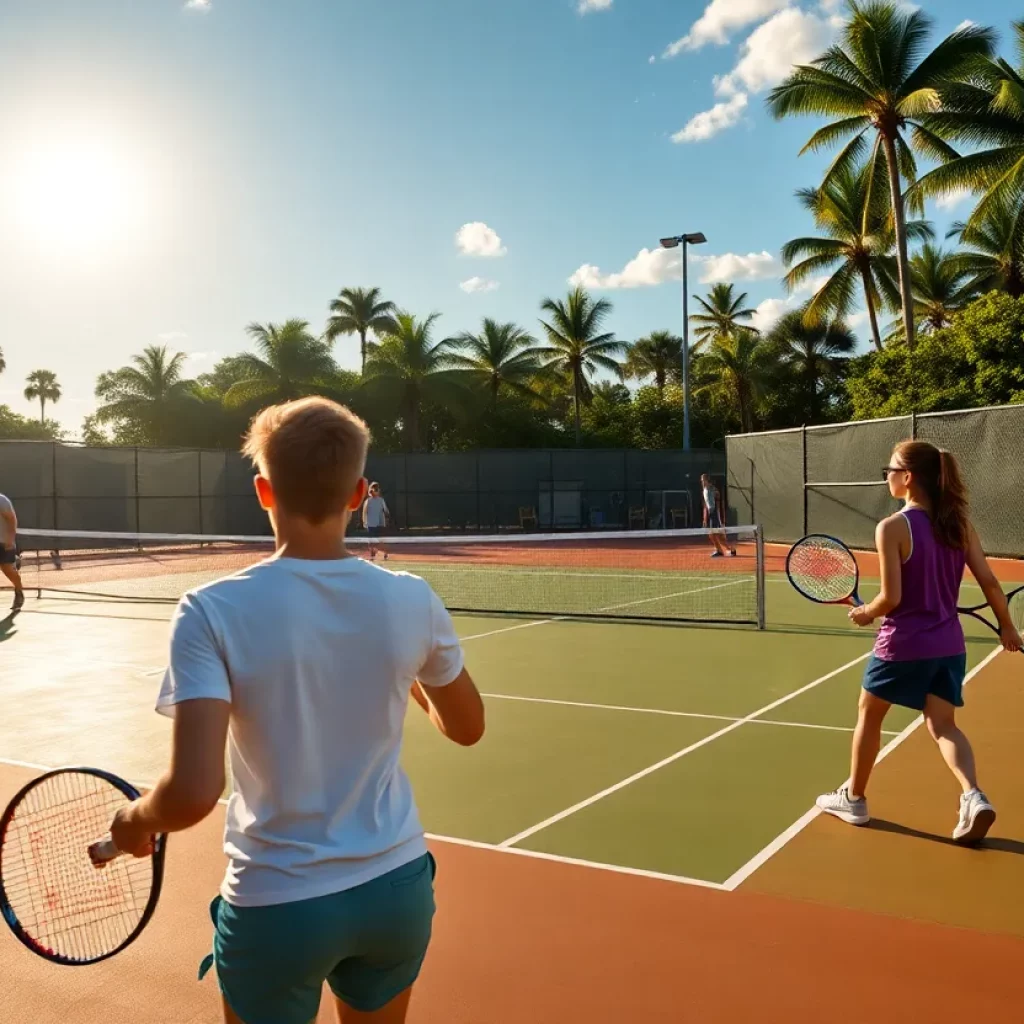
<point>919,660</point>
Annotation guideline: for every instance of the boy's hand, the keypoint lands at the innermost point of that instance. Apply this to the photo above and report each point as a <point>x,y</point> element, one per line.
<point>127,835</point>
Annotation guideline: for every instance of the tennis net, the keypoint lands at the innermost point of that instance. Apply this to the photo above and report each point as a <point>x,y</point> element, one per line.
<point>669,575</point>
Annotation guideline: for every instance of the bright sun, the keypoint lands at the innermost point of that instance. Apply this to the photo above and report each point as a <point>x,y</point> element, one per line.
<point>78,194</point>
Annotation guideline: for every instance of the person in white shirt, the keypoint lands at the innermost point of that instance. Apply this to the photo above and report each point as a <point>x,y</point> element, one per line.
<point>9,549</point>
<point>714,515</point>
<point>375,518</point>
<point>304,665</point>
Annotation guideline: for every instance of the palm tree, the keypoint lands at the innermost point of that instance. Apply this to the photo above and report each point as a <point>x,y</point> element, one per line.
<point>854,213</point>
<point>151,394</point>
<point>42,384</point>
<point>941,287</point>
<point>291,363</point>
<point>737,367</point>
<point>659,355</point>
<point>986,111</point>
<point>408,369</point>
<point>3,362</point>
<point>994,258</point>
<point>577,347</point>
<point>878,81</point>
<point>500,356</point>
<point>812,353</point>
<point>359,311</point>
<point>722,316</point>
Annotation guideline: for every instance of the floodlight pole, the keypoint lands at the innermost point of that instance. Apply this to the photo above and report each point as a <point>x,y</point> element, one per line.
<point>682,241</point>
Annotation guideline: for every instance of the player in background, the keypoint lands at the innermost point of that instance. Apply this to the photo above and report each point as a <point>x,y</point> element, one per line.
<point>714,515</point>
<point>375,519</point>
<point>9,550</point>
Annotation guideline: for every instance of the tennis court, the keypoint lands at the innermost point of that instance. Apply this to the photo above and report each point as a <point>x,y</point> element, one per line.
<point>630,770</point>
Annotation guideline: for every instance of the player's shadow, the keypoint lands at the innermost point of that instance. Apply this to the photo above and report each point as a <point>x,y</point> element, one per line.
<point>7,629</point>
<point>991,843</point>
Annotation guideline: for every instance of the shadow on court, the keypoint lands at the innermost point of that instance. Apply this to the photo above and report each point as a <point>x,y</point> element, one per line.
<point>7,629</point>
<point>991,843</point>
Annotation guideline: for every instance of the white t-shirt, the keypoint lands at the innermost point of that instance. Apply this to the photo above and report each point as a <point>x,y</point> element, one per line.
<point>317,659</point>
<point>6,530</point>
<point>374,513</point>
<point>710,502</point>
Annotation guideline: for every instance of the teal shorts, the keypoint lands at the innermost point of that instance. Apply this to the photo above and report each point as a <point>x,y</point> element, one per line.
<point>367,943</point>
<point>909,683</point>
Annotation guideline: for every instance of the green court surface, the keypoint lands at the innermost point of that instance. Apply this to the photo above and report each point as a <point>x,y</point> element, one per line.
<point>679,750</point>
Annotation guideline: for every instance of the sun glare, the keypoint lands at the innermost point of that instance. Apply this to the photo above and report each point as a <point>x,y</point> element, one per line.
<point>78,194</point>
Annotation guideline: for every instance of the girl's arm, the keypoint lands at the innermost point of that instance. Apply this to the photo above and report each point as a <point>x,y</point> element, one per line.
<point>978,564</point>
<point>891,537</point>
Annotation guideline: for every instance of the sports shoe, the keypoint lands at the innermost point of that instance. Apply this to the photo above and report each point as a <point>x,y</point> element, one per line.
<point>839,804</point>
<point>976,817</point>
<point>732,552</point>
<point>19,600</point>
<point>716,554</point>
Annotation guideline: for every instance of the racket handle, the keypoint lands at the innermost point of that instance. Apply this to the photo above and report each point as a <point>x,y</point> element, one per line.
<point>103,852</point>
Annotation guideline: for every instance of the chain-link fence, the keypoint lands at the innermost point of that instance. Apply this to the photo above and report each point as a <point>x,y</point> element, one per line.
<point>829,479</point>
<point>149,490</point>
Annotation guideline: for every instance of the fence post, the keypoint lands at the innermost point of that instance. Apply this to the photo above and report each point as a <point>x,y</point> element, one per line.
<point>199,492</point>
<point>803,440</point>
<point>913,426</point>
<point>53,471</point>
<point>138,508</point>
<point>479,525</point>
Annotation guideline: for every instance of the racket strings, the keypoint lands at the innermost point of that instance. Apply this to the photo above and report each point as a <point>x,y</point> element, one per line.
<point>1017,610</point>
<point>823,569</point>
<point>62,902</point>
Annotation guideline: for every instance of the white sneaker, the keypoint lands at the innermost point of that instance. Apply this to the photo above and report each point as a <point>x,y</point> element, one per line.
<point>976,818</point>
<point>839,804</point>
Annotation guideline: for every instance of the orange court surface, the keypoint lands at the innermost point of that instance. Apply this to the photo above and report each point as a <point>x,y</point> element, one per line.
<point>632,842</point>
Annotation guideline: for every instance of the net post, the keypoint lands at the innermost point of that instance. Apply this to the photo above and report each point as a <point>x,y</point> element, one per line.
<point>762,619</point>
<point>138,507</point>
<point>803,455</point>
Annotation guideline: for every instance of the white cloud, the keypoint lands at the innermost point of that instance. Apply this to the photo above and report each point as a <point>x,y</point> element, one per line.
<point>709,123</point>
<point>477,239</point>
<point>813,286</point>
<point>651,267</point>
<point>951,200</point>
<point>648,268</point>
<point>478,284</point>
<point>587,6</point>
<point>770,312</point>
<point>198,5</point>
<point>858,320</point>
<point>755,266</point>
<point>651,59</point>
<point>769,53</point>
<point>966,23</point>
<point>168,336</point>
<point>720,18</point>
<point>203,357</point>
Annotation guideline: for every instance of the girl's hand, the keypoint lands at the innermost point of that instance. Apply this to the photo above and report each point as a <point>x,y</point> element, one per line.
<point>1010,638</point>
<point>861,616</point>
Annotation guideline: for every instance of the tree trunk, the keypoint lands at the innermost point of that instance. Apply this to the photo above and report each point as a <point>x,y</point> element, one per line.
<point>362,352</point>
<point>42,409</point>
<point>576,404</point>
<point>902,259</point>
<point>872,314</point>
<point>659,379</point>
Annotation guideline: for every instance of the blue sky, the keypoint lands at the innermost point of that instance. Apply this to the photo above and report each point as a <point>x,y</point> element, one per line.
<point>174,170</point>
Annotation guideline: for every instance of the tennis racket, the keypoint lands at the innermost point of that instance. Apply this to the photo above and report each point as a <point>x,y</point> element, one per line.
<point>1015,599</point>
<point>824,570</point>
<point>53,896</point>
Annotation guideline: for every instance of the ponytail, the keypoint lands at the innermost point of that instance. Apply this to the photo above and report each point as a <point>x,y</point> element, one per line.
<point>938,474</point>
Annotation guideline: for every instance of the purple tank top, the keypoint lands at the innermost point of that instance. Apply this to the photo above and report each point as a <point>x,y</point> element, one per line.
<point>926,624</point>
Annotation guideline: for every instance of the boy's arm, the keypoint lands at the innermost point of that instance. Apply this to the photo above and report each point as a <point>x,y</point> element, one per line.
<point>197,692</point>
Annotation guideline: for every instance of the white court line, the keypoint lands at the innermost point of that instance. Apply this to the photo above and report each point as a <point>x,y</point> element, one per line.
<point>617,869</point>
<point>739,876</point>
<point>672,714</point>
<point>602,611</point>
<point>643,773</point>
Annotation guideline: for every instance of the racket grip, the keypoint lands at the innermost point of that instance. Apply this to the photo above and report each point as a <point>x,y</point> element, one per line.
<point>103,852</point>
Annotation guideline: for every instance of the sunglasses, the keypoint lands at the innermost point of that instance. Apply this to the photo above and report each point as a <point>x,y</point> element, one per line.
<point>886,470</point>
